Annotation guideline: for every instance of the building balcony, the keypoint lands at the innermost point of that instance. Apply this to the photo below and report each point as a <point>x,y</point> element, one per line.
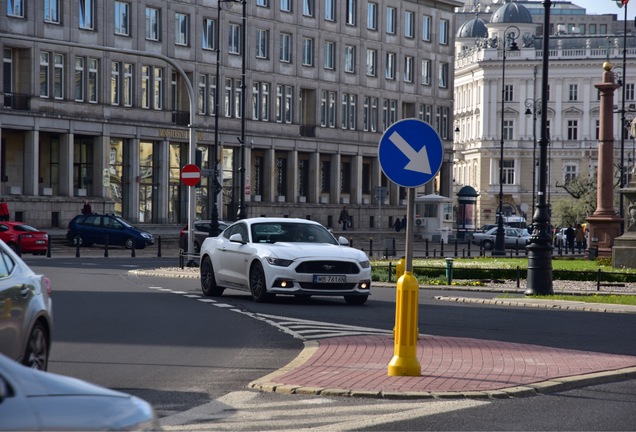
<point>17,101</point>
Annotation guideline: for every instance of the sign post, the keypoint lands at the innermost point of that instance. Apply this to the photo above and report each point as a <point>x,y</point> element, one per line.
<point>411,155</point>
<point>191,176</point>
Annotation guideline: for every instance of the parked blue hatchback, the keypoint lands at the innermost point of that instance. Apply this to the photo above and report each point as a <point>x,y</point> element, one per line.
<point>85,230</point>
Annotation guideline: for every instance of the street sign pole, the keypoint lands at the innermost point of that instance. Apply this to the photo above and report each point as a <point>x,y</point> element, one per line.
<point>190,176</point>
<point>410,154</point>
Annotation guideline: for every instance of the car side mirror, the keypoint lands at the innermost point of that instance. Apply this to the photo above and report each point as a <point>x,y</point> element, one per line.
<point>237,238</point>
<point>343,241</point>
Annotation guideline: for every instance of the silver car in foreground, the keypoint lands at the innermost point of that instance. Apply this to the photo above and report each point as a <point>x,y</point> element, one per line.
<point>269,256</point>
<point>26,311</point>
<point>35,400</point>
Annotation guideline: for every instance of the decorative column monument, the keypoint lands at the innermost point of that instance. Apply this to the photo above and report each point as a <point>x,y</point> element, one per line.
<point>624,250</point>
<point>605,224</point>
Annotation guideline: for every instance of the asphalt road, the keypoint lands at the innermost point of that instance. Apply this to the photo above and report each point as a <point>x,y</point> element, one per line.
<point>134,334</point>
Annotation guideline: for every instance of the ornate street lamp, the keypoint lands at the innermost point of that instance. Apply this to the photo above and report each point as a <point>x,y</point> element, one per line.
<point>540,247</point>
<point>500,238</point>
<point>533,107</point>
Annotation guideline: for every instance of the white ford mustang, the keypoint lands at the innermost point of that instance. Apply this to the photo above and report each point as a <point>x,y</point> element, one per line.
<point>268,256</point>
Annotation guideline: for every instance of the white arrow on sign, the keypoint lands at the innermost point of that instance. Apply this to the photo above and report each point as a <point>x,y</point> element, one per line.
<point>418,161</point>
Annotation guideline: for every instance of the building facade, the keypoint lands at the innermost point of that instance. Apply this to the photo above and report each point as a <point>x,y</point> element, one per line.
<point>97,100</point>
<point>497,105</point>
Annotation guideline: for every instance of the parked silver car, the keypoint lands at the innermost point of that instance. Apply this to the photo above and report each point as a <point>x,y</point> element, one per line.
<point>42,401</point>
<point>514,237</point>
<point>26,311</point>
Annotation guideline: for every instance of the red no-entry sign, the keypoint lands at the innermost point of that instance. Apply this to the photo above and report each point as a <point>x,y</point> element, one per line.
<point>190,175</point>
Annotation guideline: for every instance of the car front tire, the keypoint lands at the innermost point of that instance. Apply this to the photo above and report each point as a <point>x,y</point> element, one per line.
<point>208,281</point>
<point>258,285</point>
<point>487,244</point>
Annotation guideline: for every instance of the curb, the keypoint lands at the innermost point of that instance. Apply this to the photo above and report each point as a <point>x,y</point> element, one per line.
<point>545,304</point>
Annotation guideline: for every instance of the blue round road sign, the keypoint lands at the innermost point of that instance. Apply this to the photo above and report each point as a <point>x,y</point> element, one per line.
<point>410,152</point>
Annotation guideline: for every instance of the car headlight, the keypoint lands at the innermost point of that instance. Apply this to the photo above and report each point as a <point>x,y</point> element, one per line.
<point>146,235</point>
<point>279,261</point>
<point>365,264</point>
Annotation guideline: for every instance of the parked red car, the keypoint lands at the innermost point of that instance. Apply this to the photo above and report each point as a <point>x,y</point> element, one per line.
<point>29,239</point>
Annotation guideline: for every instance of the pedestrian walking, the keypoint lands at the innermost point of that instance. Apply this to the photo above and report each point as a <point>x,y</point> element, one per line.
<point>397,225</point>
<point>344,218</point>
<point>579,236</point>
<point>569,237</point>
<point>4,210</point>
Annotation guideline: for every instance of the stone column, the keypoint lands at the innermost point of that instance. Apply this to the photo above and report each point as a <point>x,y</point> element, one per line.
<point>605,224</point>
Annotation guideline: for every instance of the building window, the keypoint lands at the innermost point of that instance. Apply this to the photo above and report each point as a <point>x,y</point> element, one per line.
<point>372,58</point>
<point>86,14</point>
<point>158,88</point>
<point>426,28</point>
<point>389,113</point>
<point>409,24</point>
<point>426,113</point>
<point>228,98</point>
<point>211,95</point>
<point>303,177</point>
<point>408,69</point>
<point>325,176</point>
<point>145,87</point>
<point>389,72</point>
<point>443,75</point>
<point>234,39</point>
<point>265,102</point>
<point>238,99</point>
<point>284,104</point>
<point>443,32</point>
<point>573,92</point>
<point>285,5</point>
<point>52,11</point>
<point>390,20</point>
<point>345,177</point>
<point>370,114</point>
<point>209,33</point>
<point>58,76</point>
<point>262,3</point>
<point>93,80</point>
<point>281,176</point>
<point>350,59</point>
<point>573,130</point>
<point>308,52</point>
<point>351,12</point>
<point>115,83</point>
<point>285,47</point>
<point>122,18</point>
<point>508,172</point>
<point>629,92</point>
<point>328,109</point>
<point>508,93</point>
<point>44,74</point>
<point>128,84</point>
<point>372,16</point>
<point>152,24</point>
<point>569,173</point>
<point>262,43</point>
<point>180,29</point>
<point>426,72</point>
<point>329,55</point>
<point>348,111</point>
<point>15,8</point>
<point>259,174</point>
<point>508,128</point>
<point>203,93</point>
<point>80,70</point>
<point>330,10</point>
<point>308,8</point>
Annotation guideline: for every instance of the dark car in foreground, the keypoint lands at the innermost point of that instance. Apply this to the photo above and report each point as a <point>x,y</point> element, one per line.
<point>201,232</point>
<point>26,312</point>
<point>24,238</point>
<point>42,401</point>
<point>86,230</point>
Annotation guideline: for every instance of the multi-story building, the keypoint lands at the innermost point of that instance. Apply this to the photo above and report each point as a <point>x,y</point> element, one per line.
<point>97,99</point>
<point>499,104</point>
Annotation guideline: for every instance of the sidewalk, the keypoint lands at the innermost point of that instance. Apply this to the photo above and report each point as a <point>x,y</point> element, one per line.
<point>450,367</point>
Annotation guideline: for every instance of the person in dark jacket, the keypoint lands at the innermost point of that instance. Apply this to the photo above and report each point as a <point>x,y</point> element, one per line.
<point>569,237</point>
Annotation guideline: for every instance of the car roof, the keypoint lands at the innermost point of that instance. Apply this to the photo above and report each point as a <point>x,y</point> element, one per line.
<point>256,220</point>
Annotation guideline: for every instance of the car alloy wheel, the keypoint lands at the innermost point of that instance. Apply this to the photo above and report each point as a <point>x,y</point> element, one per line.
<point>37,350</point>
<point>258,286</point>
<point>208,281</point>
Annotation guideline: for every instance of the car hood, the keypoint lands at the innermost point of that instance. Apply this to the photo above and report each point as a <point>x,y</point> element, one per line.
<point>295,251</point>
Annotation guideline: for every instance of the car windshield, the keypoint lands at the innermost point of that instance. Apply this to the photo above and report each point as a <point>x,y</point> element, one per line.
<point>295,232</point>
<point>24,228</point>
<point>124,222</point>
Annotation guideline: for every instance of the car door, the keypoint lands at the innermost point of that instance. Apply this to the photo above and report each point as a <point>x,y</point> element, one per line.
<point>115,230</point>
<point>235,256</point>
<point>14,301</point>
<point>90,228</point>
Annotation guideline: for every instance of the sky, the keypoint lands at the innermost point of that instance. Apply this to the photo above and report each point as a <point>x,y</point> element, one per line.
<point>607,6</point>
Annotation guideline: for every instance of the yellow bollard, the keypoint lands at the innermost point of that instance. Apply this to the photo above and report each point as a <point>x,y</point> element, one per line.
<point>404,361</point>
<point>399,268</point>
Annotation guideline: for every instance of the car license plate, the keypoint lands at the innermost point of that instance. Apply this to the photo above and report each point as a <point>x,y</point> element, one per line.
<point>330,278</point>
<point>40,242</point>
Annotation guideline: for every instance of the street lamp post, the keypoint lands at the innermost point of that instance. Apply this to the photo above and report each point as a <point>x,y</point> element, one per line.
<point>242,210</point>
<point>623,3</point>
<point>533,106</point>
<point>500,239</point>
<point>540,247</point>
